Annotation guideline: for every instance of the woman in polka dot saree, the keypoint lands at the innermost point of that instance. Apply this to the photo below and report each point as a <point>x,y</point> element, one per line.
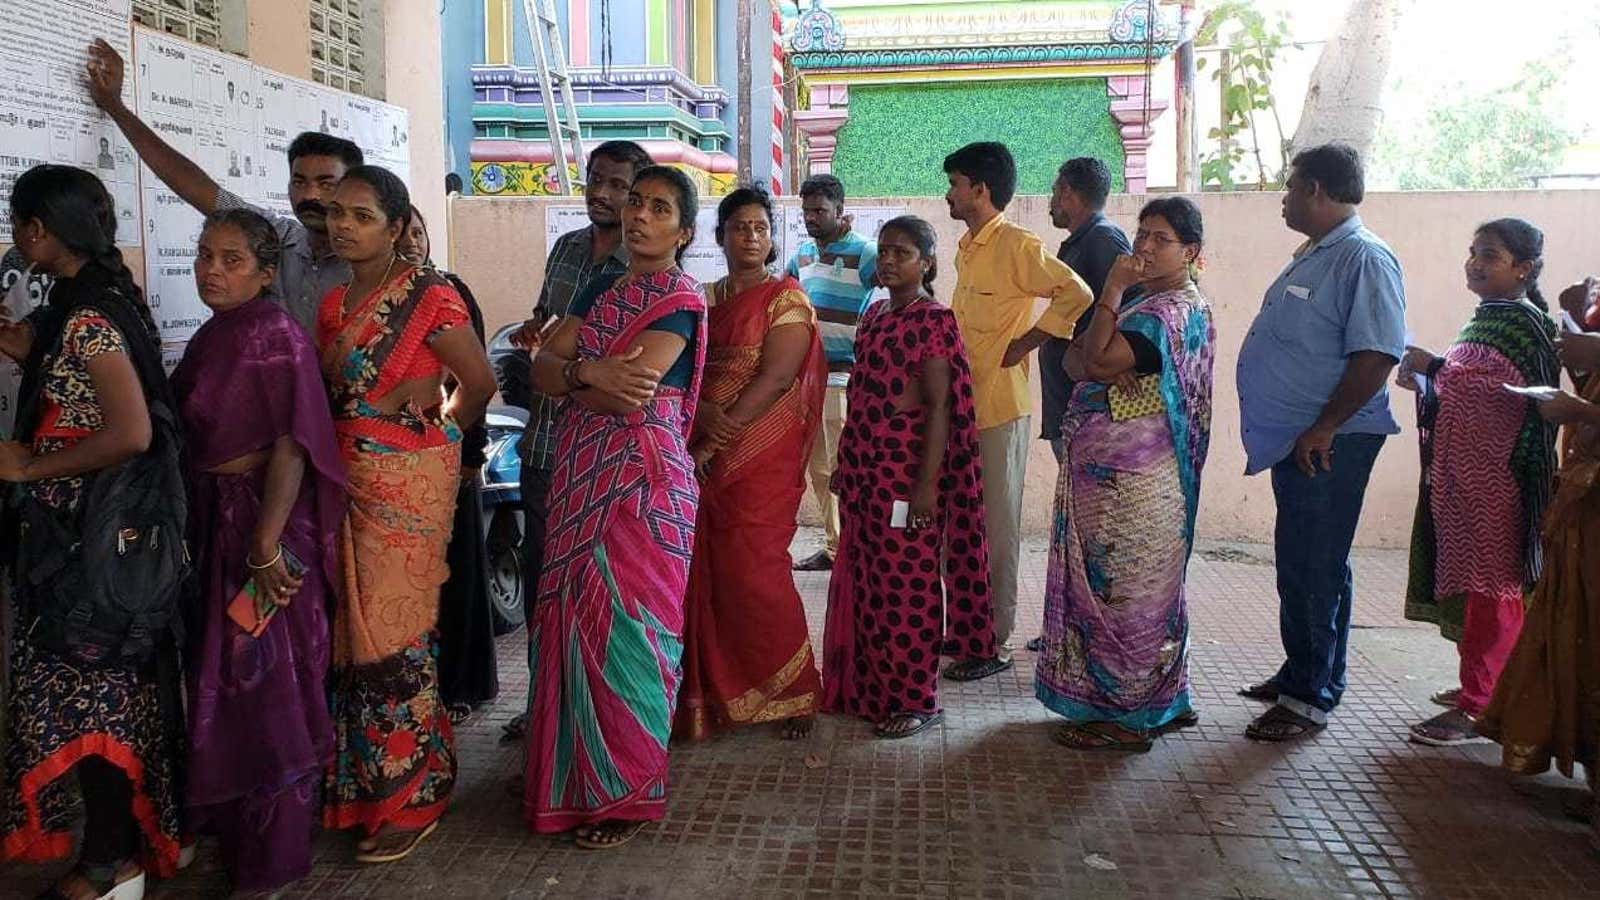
<point>911,436</point>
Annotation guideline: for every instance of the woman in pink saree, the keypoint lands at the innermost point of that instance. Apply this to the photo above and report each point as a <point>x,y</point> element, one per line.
<point>606,641</point>
<point>906,588</point>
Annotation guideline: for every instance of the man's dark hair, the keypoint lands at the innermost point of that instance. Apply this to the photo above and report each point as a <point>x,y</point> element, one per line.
<point>827,187</point>
<point>626,152</point>
<point>316,143</point>
<point>1088,178</point>
<point>1337,167</point>
<point>988,163</point>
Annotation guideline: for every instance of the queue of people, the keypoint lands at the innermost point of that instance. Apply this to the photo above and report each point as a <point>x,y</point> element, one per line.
<point>246,596</point>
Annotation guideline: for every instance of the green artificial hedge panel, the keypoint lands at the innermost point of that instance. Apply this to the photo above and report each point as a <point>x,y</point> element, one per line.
<point>896,139</point>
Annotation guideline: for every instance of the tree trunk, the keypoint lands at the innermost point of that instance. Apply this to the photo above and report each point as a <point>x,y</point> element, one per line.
<point>1343,101</point>
<point>744,17</point>
<point>1183,102</point>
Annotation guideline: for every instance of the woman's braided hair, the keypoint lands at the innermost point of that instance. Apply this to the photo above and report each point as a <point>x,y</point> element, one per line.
<point>78,211</point>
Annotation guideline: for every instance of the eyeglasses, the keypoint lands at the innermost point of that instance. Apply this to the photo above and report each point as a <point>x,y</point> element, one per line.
<point>1154,237</point>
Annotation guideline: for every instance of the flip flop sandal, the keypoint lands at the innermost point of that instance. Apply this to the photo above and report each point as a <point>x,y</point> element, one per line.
<point>924,722</point>
<point>1265,691</point>
<point>1447,698</point>
<point>977,669</point>
<point>514,730</point>
<point>1188,720</point>
<point>381,855</point>
<point>1097,736</point>
<point>1444,730</point>
<point>132,889</point>
<point>1280,724</point>
<point>621,835</point>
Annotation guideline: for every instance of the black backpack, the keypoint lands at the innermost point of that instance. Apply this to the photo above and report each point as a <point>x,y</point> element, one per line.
<point>104,585</point>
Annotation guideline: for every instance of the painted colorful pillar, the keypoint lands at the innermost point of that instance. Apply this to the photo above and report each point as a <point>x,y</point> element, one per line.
<point>779,108</point>
<point>642,70</point>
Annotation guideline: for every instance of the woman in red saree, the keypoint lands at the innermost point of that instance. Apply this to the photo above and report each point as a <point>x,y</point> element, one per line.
<point>746,652</point>
<point>608,621</point>
<point>910,441</point>
<point>386,341</point>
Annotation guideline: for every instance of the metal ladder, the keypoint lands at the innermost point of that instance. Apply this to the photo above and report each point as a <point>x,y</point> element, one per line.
<point>551,55</point>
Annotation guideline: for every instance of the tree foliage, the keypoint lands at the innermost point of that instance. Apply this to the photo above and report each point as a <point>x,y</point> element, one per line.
<point>1251,46</point>
<point>1477,141</point>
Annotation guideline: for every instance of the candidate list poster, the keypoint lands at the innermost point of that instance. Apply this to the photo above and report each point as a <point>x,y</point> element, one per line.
<point>236,121</point>
<point>199,101</point>
<point>46,115</point>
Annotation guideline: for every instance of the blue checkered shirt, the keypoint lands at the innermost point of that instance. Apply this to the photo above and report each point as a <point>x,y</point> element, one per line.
<point>570,267</point>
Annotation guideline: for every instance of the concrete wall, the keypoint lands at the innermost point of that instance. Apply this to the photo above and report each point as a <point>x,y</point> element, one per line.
<point>279,37</point>
<point>498,247</point>
<point>414,78</point>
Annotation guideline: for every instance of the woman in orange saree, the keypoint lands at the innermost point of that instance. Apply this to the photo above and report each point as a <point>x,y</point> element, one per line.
<point>746,653</point>
<point>386,340</point>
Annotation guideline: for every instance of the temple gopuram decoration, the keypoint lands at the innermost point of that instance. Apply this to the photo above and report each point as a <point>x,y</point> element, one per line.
<point>654,82</point>
<point>886,91</point>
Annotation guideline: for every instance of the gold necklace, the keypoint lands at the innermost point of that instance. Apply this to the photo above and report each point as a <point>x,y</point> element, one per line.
<point>393,258</point>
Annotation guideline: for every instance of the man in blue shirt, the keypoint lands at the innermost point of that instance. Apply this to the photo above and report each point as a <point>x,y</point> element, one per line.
<point>1314,408</point>
<point>837,268</point>
<point>1077,204</point>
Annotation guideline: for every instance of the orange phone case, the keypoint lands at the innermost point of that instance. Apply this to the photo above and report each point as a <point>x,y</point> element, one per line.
<point>251,612</point>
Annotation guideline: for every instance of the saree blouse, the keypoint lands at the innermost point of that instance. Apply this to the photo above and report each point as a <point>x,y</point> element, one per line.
<point>383,343</point>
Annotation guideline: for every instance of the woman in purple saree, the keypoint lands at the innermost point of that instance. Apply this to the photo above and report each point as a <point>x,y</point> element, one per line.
<point>1114,657</point>
<point>266,496</point>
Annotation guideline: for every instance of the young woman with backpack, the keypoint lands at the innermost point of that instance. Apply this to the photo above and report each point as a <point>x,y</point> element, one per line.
<point>94,547</point>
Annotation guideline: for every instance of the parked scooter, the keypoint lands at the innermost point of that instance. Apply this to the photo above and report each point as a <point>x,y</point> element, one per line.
<point>504,522</point>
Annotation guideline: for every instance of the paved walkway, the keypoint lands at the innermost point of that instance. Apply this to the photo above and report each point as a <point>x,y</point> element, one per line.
<point>988,806</point>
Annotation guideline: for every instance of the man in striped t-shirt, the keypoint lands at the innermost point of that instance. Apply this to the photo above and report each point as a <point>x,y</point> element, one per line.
<point>837,267</point>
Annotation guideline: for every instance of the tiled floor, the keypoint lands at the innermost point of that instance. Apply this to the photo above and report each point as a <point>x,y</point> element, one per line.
<point>988,806</point>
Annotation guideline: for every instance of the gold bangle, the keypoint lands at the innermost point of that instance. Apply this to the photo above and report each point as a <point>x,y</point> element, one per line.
<point>261,568</point>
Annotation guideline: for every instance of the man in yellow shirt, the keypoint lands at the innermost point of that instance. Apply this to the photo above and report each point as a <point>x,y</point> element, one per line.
<point>1002,270</point>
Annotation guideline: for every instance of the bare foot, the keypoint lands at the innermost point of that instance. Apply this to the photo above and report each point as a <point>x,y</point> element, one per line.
<point>610,834</point>
<point>799,728</point>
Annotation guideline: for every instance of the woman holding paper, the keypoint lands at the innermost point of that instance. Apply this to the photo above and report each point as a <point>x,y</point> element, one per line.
<point>266,497</point>
<point>911,581</point>
<point>1543,707</point>
<point>1488,461</point>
